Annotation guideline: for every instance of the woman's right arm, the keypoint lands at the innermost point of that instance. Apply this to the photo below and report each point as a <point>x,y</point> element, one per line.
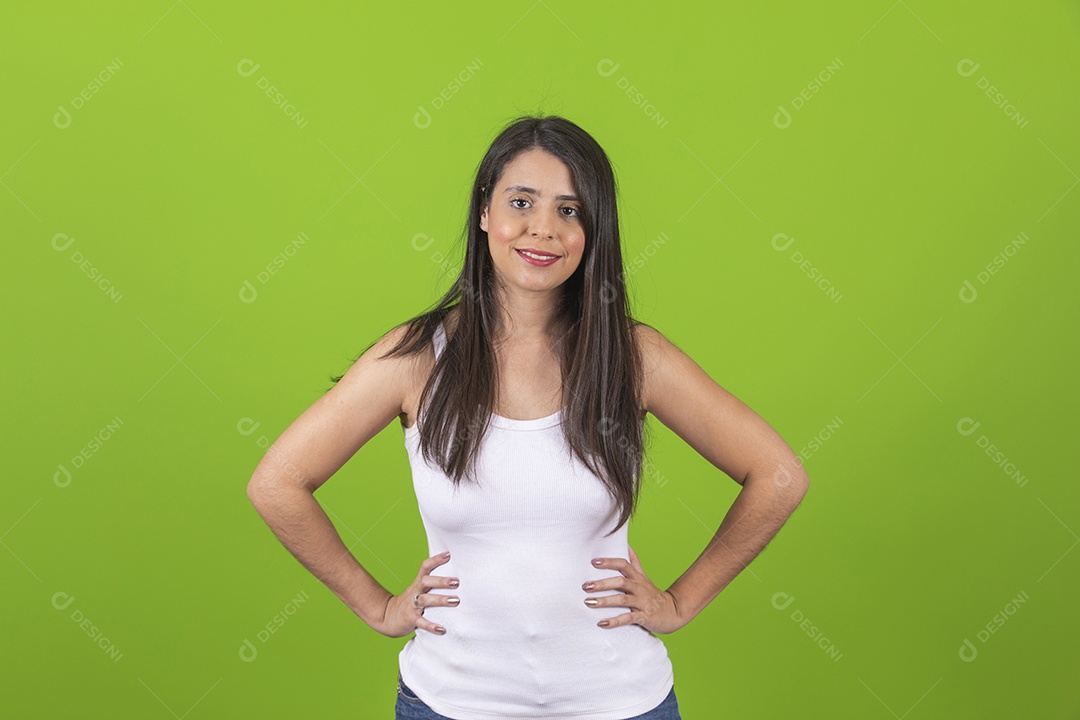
<point>367,398</point>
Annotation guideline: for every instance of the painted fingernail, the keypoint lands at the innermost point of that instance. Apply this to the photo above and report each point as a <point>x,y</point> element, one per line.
<point>588,586</point>
<point>453,600</point>
<point>591,602</point>
<point>440,629</point>
<point>597,562</point>
<point>603,623</point>
<point>453,583</point>
<point>446,554</point>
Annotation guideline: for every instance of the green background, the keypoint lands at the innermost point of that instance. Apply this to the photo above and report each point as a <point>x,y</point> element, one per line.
<point>899,179</point>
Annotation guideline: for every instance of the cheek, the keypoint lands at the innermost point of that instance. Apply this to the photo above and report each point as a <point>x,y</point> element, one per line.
<point>577,245</point>
<point>503,230</point>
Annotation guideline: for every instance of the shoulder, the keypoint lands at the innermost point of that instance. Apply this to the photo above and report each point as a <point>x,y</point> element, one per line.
<point>654,349</point>
<point>388,362</point>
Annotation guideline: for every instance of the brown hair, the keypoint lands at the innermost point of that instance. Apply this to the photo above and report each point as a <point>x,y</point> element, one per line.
<point>602,418</point>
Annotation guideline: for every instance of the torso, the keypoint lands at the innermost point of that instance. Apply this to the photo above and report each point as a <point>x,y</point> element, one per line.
<point>530,382</point>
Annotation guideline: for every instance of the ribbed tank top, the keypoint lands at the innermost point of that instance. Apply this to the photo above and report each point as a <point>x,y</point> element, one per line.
<point>522,643</point>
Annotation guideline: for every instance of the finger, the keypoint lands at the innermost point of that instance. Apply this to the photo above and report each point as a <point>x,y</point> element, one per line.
<point>617,582</point>
<point>434,628</point>
<point>618,620</point>
<point>433,562</point>
<point>621,564</point>
<point>439,581</point>
<point>426,600</point>
<point>610,601</point>
<point>634,559</point>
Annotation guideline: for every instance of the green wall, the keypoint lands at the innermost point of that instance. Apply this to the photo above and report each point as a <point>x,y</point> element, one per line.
<point>860,218</point>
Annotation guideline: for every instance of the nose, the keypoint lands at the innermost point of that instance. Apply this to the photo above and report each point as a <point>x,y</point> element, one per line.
<point>542,227</point>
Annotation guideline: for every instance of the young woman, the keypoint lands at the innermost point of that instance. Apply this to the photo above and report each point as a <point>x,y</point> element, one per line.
<point>522,396</point>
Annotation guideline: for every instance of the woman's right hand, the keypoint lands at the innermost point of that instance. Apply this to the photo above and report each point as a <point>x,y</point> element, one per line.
<point>400,617</point>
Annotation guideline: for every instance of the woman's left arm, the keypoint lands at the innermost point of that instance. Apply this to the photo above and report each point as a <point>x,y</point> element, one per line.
<point>736,440</point>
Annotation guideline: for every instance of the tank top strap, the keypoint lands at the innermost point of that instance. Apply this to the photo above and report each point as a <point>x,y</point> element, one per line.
<point>439,340</point>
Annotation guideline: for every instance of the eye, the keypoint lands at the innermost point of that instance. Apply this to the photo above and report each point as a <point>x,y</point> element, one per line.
<point>574,212</point>
<point>518,199</point>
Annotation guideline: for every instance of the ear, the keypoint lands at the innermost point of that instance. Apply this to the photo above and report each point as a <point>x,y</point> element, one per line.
<point>484,219</point>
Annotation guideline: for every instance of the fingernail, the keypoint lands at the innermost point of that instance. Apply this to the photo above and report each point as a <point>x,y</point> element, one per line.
<point>446,554</point>
<point>588,586</point>
<point>603,623</point>
<point>440,629</point>
<point>591,602</point>
<point>597,562</point>
<point>453,583</point>
<point>453,600</point>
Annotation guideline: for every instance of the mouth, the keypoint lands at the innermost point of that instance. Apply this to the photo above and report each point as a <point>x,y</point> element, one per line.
<point>534,257</point>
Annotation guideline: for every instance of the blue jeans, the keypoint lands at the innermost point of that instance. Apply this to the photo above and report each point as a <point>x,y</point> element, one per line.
<point>410,707</point>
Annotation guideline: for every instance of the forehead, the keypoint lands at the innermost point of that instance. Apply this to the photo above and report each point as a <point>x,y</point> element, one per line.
<point>538,169</point>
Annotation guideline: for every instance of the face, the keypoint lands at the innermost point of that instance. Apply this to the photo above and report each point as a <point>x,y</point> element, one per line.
<point>534,209</point>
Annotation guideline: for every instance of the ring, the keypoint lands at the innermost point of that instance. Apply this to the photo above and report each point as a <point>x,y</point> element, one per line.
<point>416,604</point>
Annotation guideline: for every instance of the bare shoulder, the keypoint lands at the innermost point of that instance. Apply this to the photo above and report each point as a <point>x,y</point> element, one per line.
<point>651,345</point>
<point>371,393</point>
<point>403,375</point>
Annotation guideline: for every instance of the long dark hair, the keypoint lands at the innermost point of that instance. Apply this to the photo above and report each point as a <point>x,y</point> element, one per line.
<point>602,418</point>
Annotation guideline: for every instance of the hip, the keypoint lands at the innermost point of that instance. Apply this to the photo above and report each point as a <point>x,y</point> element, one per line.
<point>409,706</point>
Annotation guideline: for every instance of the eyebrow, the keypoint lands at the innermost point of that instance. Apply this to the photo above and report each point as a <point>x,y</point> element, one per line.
<point>522,188</point>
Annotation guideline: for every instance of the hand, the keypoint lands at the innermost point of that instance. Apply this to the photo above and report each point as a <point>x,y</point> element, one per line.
<point>654,609</point>
<point>401,617</point>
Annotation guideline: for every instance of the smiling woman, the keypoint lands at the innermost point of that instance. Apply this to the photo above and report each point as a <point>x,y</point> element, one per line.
<point>522,396</point>
<point>540,226</point>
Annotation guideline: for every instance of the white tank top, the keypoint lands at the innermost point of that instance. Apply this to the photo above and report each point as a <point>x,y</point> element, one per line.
<point>522,643</point>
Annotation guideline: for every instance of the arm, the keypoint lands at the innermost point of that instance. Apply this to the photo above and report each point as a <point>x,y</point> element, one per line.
<point>737,441</point>
<point>369,396</point>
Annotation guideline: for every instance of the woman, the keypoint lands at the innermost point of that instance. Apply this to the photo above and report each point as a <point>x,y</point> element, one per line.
<point>522,397</point>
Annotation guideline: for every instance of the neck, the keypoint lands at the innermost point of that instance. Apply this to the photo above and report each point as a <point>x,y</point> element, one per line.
<point>528,316</point>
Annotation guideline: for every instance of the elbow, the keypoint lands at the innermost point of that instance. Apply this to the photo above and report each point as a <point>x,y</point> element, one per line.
<point>786,480</point>
<point>262,490</point>
<point>256,491</point>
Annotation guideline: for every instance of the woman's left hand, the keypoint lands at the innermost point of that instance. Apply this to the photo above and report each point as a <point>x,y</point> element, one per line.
<point>650,607</point>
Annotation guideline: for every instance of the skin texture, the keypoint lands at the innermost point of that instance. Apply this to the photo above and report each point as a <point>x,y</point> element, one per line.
<point>532,220</point>
<point>677,391</point>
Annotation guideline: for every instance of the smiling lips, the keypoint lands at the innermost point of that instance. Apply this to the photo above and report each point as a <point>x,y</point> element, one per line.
<point>535,257</point>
